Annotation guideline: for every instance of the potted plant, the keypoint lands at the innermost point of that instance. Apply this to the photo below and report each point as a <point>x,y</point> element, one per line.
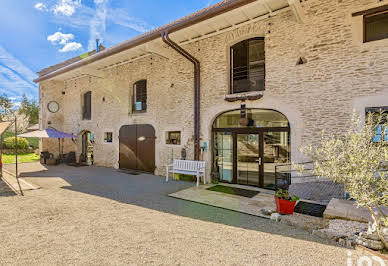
<point>285,204</point>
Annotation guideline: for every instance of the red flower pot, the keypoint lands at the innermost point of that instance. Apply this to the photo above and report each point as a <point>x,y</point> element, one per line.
<point>285,206</point>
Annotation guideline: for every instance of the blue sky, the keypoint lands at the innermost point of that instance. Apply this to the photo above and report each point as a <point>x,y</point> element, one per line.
<point>37,34</point>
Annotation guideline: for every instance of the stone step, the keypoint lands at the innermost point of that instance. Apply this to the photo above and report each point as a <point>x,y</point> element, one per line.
<point>346,210</point>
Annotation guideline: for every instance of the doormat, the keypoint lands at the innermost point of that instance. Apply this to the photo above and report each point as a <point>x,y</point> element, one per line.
<point>311,209</point>
<point>234,191</point>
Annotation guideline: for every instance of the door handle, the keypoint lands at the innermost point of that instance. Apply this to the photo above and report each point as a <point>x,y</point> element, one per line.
<point>259,161</point>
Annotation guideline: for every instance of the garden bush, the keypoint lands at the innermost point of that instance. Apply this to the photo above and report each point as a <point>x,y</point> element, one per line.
<point>23,143</point>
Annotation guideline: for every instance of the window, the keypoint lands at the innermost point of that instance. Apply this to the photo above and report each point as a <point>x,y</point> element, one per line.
<point>108,137</point>
<point>140,96</point>
<point>87,108</point>
<point>376,111</point>
<point>248,66</point>
<point>376,26</point>
<point>173,137</point>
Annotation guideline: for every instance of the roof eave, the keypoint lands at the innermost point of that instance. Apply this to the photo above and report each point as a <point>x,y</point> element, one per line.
<point>190,20</point>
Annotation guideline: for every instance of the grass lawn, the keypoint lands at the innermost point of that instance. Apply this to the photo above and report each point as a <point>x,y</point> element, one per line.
<point>22,158</point>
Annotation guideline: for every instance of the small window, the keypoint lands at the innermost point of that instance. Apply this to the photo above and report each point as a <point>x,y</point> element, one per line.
<point>87,107</point>
<point>140,96</point>
<point>248,66</point>
<point>173,137</point>
<point>108,137</point>
<point>376,111</point>
<point>376,26</point>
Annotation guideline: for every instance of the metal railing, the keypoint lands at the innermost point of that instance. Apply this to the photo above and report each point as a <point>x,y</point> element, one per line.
<point>307,185</point>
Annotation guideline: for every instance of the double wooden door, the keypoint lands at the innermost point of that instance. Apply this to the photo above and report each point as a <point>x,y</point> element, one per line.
<point>137,148</point>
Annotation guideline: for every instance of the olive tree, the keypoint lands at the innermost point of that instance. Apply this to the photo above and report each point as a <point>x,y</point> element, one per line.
<point>357,158</point>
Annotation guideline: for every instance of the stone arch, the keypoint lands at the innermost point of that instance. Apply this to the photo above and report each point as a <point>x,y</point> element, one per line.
<point>267,102</point>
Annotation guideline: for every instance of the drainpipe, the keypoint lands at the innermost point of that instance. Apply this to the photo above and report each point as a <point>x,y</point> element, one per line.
<point>197,90</point>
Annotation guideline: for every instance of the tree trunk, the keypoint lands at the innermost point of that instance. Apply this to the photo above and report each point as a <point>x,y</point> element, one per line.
<point>377,219</point>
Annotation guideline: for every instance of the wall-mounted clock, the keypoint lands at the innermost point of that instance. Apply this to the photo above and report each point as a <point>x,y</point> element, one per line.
<point>53,106</point>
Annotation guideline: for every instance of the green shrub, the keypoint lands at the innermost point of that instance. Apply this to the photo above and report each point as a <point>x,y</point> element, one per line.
<point>23,143</point>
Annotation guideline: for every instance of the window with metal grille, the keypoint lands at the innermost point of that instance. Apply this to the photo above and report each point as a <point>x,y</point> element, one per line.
<point>376,26</point>
<point>87,107</point>
<point>247,66</point>
<point>381,131</point>
<point>140,96</point>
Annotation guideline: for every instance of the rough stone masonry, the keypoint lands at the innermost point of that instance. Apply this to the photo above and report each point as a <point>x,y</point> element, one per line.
<point>341,75</point>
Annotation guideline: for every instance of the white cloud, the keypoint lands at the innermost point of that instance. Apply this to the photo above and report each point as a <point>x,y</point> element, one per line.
<point>60,38</point>
<point>71,47</point>
<point>41,7</point>
<point>98,23</point>
<point>120,17</point>
<point>15,77</point>
<point>64,39</point>
<point>66,7</point>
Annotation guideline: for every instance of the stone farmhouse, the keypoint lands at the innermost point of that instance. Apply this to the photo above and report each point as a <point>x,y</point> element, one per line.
<point>241,84</point>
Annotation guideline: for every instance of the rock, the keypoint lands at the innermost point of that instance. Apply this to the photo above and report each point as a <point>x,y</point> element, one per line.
<point>372,244</point>
<point>267,212</point>
<point>350,243</point>
<point>374,236</point>
<point>342,242</point>
<point>276,217</point>
<point>341,229</point>
<point>306,222</point>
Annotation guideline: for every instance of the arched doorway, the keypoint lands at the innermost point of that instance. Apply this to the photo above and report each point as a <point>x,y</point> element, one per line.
<point>87,156</point>
<point>137,148</point>
<point>248,146</point>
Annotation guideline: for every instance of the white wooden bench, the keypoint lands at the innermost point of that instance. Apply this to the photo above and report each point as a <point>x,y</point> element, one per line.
<point>196,168</point>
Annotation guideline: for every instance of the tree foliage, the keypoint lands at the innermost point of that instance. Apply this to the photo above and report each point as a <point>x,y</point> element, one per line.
<point>31,109</point>
<point>357,161</point>
<point>6,106</point>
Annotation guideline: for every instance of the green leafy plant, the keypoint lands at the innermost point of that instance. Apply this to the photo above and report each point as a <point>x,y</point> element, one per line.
<point>285,195</point>
<point>9,143</point>
<point>357,158</point>
<point>30,108</point>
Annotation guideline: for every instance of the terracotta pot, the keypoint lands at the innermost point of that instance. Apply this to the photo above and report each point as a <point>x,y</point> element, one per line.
<point>285,206</point>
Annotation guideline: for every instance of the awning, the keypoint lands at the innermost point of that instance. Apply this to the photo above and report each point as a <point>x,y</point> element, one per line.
<point>48,133</point>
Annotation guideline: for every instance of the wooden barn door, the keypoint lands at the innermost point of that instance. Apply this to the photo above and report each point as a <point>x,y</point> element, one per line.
<point>137,148</point>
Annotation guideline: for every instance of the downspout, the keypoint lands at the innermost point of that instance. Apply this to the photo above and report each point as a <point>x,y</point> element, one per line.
<point>197,90</point>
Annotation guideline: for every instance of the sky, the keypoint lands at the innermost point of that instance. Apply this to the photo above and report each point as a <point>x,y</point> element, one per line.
<point>41,33</point>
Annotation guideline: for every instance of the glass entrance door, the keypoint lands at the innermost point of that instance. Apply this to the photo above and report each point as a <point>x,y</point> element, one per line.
<point>276,151</point>
<point>248,159</point>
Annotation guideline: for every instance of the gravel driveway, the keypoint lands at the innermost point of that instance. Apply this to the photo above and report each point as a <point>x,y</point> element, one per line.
<point>95,216</point>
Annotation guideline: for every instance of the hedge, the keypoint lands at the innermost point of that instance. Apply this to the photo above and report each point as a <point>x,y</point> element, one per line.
<point>9,143</point>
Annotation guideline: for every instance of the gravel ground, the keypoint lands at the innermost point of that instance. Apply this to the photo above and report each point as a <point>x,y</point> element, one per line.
<point>98,216</point>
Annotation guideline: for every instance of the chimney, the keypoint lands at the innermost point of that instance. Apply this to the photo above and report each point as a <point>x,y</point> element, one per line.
<point>97,45</point>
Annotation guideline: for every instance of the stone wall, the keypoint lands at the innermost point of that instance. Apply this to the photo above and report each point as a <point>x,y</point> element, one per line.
<point>341,74</point>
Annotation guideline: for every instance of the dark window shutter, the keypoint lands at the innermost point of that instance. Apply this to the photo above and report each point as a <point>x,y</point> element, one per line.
<point>87,112</point>
<point>376,27</point>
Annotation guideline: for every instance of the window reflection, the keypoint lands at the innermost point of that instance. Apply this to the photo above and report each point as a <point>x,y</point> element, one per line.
<point>257,118</point>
